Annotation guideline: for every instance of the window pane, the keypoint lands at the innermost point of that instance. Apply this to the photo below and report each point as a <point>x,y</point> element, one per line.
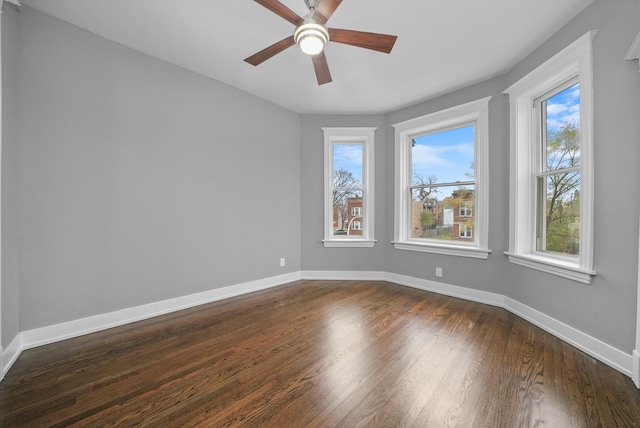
<point>443,212</point>
<point>443,157</point>
<point>348,216</point>
<point>559,213</point>
<point>347,189</point>
<point>347,166</point>
<point>561,123</point>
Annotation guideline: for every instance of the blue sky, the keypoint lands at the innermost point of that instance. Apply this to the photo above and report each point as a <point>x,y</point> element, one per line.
<point>349,157</point>
<point>564,107</point>
<point>447,155</point>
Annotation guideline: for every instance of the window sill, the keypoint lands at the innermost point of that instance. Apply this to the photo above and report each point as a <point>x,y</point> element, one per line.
<point>552,266</point>
<point>449,250</point>
<point>349,243</point>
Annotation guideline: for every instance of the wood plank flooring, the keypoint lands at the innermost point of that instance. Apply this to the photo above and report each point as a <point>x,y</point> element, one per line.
<point>319,354</point>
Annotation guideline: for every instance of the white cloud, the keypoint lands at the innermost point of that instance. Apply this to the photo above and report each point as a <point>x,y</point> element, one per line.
<point>448,163</point>
<point>347,153</point>
<point>561,114</point>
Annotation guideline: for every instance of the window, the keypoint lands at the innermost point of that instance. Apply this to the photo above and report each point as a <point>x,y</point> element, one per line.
<point>441,182</point>
<point>551,216</point>
<point>349,187</point>
<point>465,230</point>
<point>466,210</point>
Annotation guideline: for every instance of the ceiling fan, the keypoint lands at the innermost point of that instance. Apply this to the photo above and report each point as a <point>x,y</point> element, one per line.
<point>311,35</point>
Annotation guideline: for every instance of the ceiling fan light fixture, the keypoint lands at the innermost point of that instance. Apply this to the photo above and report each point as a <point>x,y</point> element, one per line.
<point>311,37</point>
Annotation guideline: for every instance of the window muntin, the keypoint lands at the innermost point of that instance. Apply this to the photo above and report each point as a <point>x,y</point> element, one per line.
<point>348,187</point>
<point>441,173</point>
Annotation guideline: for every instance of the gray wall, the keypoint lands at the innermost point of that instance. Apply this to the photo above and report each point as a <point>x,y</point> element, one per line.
<point>140,181</point>
<point>10,122</point>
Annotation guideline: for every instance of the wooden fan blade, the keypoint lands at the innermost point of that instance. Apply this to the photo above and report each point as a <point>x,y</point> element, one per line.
<point>322,68</point>
<point>324,10</point>
<point>270,51</point>
<point>374,41</point>
<point>281,10</point>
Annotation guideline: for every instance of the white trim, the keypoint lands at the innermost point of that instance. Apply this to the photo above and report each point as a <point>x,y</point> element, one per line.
<point>66,330</point>
<point>15,2</point>
<point>574,60</point>
<point>1,150</point>
<point>478,296</point>
<point>636,351</point>
<point>476,112</point>
<point>634,54</point>
<point>343,275</point>
<point>598,349</point>
<point>635,368</point>
<point>601,351</point>
<point>449,250</point>
<point>351,135</point>
<point>609,355</point>
<point>542,264</point>
<point>634,51</point>
<point>12,353</point>
<point>353,243</point>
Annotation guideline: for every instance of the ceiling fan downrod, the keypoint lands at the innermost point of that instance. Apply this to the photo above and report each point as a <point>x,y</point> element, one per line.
<point>311,5</point>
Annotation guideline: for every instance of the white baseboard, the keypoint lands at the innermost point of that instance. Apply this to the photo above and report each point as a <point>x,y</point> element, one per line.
<point>343,275</point>
<point>54,333</point>
<point>601,351</point>
<point>609,355</point>
<point>11,354</point>
<point>624,363</point>
<point>636,368</point>
<point>447,289</point>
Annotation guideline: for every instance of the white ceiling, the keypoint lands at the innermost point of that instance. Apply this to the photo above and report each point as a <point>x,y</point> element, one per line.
<point>442,45</point>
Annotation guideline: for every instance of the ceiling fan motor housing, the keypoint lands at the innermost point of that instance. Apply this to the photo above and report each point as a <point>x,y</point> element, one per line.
<point>311,37</point>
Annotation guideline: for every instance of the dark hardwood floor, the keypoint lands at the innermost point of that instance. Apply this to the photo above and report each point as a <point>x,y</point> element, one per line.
<point>320,354</point>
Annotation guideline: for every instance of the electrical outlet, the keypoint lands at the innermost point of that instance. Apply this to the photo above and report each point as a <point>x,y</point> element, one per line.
<point>439,271</point>
<point>282,262</point>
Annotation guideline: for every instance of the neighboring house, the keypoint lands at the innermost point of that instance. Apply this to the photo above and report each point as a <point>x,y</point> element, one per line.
<point>348,220</point>
<point>458,210</point>
<point>451,219</point>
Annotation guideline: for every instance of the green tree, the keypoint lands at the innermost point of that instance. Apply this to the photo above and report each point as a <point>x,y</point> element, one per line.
<point>562,214</point>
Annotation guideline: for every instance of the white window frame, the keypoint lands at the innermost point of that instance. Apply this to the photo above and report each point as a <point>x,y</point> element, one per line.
<point>465,231</point>
<point>476,112</point>
<point>466,210</point>
<point>356,211</point>
<point>350,135</point>
<point>356,225</point>
<point>573,61</point>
